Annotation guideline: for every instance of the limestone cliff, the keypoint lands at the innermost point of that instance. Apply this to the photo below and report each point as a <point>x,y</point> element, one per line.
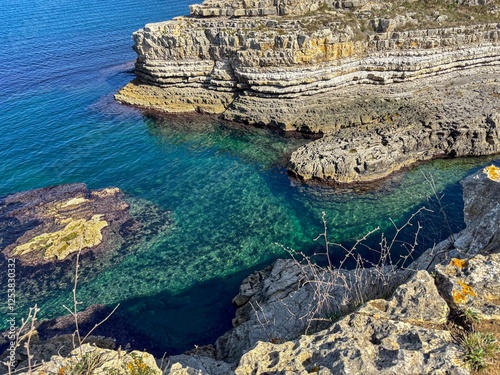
<point>289,64</point>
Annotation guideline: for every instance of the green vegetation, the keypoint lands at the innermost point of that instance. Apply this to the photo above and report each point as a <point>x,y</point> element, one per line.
<point>479,348</point>
<point>470,316</point>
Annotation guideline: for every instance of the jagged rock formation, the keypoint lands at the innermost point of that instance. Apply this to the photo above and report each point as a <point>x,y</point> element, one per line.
<point>287,63</point>
<point>377,132</point>
<point>400,335</point>
<point>382,337</point>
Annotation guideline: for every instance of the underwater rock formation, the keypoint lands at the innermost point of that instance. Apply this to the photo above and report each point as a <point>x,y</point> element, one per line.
<point>50,224</point>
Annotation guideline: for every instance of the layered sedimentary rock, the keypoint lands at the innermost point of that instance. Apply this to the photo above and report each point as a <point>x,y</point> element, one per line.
<point>377,132</point>
<point>287,64</point>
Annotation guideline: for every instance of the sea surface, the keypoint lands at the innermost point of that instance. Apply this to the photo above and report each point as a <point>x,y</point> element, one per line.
<point>233,206</point>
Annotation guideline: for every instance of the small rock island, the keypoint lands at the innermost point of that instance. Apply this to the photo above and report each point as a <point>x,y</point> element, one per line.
<point>387,83</point>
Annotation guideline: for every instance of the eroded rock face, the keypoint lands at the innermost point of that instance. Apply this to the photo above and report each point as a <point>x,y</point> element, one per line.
<point>247,59</point>
<point>481,212</point>
<point>376,339</point>
<point>377,133</point>
<point>50,224</point>
<point>288,63</point>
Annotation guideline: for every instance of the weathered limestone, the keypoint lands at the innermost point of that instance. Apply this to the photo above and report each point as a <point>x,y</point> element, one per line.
<point>100,362</point>
<point>290,64</point>
<point>376,339</point>
<point>377,132</point>
<point>472,284</point>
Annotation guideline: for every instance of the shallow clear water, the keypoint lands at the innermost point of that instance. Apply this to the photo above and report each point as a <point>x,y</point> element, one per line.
<point>229,194</point>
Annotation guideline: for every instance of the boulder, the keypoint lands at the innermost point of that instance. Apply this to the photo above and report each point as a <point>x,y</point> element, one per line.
<point>378,338</point>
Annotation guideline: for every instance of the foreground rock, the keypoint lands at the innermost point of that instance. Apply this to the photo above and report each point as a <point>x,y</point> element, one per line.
<point>89,359</point>
<point>401,335</point>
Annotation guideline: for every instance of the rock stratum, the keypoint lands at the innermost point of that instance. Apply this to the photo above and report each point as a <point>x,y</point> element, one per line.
<point>389,83</point>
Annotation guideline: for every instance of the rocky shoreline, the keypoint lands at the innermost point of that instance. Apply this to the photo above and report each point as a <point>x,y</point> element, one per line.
<point>388,83</point>
<point>384,320</point>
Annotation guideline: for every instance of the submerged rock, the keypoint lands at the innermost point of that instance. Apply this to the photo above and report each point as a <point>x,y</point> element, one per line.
<point>50,224</point>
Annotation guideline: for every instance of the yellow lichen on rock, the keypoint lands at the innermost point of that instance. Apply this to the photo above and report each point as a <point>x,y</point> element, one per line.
<point>76,235</point>
<point>493,173</point>
<point>461,296</point>
<point>460,263</point>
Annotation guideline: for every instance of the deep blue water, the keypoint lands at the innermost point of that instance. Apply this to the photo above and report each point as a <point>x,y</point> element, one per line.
<point>230,197</point>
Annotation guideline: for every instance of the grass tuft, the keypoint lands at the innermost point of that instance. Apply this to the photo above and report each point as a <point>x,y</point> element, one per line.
<point>479,348</point>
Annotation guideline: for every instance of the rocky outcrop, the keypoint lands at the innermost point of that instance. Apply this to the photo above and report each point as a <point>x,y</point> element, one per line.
<point>401,335</point>
<point>406,333</point>
<point>380,131</point>
<point>288,64</point>
<point>234,54</point>
<point>472,284</point>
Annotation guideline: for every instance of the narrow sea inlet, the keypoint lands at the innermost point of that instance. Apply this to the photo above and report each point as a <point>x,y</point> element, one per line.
<point>232,205</point>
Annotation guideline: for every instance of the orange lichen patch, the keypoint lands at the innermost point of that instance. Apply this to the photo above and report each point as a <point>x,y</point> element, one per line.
<point>493,173</point>
<point>460,263</point>
<point>461,296</point>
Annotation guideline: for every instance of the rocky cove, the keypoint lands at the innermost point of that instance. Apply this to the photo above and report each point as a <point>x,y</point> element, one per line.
<point>408,318</point>
<point>395,316</point>
<point>387,83</point>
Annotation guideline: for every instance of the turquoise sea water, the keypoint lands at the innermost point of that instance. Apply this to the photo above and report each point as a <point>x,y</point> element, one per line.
<point>226,186</point>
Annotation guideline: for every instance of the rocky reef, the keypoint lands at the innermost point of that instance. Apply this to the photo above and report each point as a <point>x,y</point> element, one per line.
<point>390,82</point>
<point>50,224</point>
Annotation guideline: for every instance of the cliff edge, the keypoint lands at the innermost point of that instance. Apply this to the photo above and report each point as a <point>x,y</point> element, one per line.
<point>352,70</point>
